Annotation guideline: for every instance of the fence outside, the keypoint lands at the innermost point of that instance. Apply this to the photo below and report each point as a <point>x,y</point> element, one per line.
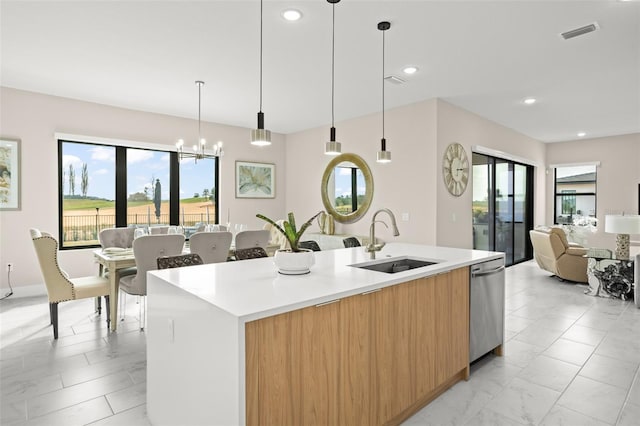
<point>81,230</point>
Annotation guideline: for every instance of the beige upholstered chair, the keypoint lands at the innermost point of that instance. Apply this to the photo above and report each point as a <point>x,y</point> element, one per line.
<point>248,239</point>
<point>636,281</point>
<point>275,236</point>
<point>555,254</point>
<point>213,247</point>
<point>146,250</point>
<point>60,287</point>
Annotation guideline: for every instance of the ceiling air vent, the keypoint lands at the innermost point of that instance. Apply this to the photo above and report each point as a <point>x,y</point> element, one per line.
<point>580,31</point>
<point>393,79</point>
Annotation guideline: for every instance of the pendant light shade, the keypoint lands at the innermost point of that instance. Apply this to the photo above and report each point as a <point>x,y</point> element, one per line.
<point>383,156</point>
<point>333,147</point>
<point>260,136</point>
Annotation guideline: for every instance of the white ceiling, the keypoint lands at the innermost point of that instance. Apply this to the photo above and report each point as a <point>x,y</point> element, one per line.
<point>483,56</point>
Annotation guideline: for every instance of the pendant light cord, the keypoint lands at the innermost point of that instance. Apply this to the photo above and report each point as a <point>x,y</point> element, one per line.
<point>383,84</point>
<point>199,103</point>
<point>333,50</point>
<point>260,55</point>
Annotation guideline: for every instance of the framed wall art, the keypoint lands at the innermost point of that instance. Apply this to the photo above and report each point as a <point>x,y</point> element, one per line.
<point>9,174</point>
<point>255,180</point>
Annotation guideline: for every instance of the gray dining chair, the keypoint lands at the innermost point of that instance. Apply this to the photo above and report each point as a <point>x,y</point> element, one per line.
<point>116,237</point>
<point>158,230</point>
<point>254,238</point>
<point>213,247</point>
<point>251,253</point>
<point>310,245</point>
<point>178,261</point>
<point>146,251</point>
<point>119,238</point>
<point>351,242</point>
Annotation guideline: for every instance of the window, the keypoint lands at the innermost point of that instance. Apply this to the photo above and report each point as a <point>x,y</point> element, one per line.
<point>350,189</point>
<point>575,193</point>
<point>102,186</point>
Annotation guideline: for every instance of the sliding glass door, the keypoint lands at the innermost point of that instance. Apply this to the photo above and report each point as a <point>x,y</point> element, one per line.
<point>502,207</point>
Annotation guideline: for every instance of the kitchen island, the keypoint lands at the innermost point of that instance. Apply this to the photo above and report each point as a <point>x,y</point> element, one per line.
<point>237,343</point>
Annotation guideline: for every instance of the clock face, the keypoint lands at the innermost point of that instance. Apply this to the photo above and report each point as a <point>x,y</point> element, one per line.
<point>455,169</point>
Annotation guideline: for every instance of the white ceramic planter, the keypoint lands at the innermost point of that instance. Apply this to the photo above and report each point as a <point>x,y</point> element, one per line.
<point>290,263</point>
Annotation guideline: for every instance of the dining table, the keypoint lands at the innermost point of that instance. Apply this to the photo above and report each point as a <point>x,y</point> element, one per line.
<point>113,260</point>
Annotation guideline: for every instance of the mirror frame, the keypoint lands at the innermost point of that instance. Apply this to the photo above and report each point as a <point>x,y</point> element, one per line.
<point>368,196</point>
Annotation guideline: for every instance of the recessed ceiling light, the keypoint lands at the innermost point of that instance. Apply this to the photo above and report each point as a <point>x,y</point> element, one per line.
<point>530,101</point>
<point>410,70</point>
<point>292,14</point>
<point>581,134</point>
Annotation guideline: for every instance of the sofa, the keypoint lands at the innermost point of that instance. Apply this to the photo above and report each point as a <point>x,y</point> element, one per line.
<point>555,254</point>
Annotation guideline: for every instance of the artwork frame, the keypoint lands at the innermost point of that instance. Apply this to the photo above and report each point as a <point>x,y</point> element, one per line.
<point>255,180</point>
<point>10,174</point>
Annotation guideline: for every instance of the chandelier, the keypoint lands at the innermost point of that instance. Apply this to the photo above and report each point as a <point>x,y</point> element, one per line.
<point>199,152</point>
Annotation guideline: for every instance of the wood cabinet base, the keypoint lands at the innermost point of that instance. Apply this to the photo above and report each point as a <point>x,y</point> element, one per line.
<point>374,358</point>
<point>425,400</point>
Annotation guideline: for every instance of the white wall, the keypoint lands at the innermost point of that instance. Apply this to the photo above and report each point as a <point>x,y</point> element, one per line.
<point>412,183</point>
<point>34,118</point>
<point>618,177</point>
<point>468,129</point>
<point>405,185</point>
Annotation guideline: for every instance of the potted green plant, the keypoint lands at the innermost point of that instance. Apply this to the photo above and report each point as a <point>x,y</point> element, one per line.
<point>294,260</point>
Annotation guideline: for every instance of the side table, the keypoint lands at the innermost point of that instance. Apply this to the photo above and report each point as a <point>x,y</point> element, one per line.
<point>610,278</point>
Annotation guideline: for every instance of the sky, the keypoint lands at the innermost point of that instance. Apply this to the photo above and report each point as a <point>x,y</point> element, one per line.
<point>143,167</point>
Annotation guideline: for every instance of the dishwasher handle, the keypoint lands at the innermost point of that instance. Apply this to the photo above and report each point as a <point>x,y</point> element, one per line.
<point>480,273</point>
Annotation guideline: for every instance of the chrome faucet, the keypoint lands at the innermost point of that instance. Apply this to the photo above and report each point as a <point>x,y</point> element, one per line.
<point>372,247</point>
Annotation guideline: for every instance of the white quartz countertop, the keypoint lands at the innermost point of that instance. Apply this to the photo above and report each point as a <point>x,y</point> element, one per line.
<point>253,289</point>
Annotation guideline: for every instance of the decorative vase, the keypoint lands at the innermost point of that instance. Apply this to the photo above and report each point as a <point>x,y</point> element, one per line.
<point>322,222</point>
<point>294,263</point>
<point>330,227</point>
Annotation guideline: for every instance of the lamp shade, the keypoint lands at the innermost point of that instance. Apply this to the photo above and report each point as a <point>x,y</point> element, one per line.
<point>622,224</point>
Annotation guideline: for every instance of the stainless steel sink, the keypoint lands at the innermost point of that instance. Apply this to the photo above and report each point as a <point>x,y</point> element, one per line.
<point>391,266</point>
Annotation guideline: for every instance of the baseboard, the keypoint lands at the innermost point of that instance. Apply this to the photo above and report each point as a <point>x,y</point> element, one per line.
<point>26,291</point>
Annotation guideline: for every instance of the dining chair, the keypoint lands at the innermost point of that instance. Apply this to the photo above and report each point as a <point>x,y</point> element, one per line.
<point>120,238</point>
<point>311,245</point>
<point>275,236</point>
<point>178,261</point>
<point>146,251</point>
<point>351,242</point>
<point>61,288</point>
<point>116,237</point>
<point>254,238</point>
<point>158,230</point>
<point>251,253</point>
<point>213,247</point>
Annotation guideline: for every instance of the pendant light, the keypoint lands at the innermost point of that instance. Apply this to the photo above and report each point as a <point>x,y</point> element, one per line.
<point>332,147</point>
<point>260,136</point>
<point>384,156</point>
<point>198,149</point>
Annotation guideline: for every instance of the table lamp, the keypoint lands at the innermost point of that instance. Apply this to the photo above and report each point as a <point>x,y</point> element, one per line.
<point>623,225</point>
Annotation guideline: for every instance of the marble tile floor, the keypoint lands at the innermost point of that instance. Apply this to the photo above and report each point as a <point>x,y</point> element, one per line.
<point>570,359</point>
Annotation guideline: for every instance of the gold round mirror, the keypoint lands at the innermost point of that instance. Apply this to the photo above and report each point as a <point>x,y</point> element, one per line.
<point>347,188</point>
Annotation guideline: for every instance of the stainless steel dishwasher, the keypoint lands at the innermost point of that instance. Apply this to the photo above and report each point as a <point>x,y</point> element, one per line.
<point>486,311</point>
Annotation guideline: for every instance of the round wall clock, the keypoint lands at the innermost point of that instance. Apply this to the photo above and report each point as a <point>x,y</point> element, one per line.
<point>455,169</point>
